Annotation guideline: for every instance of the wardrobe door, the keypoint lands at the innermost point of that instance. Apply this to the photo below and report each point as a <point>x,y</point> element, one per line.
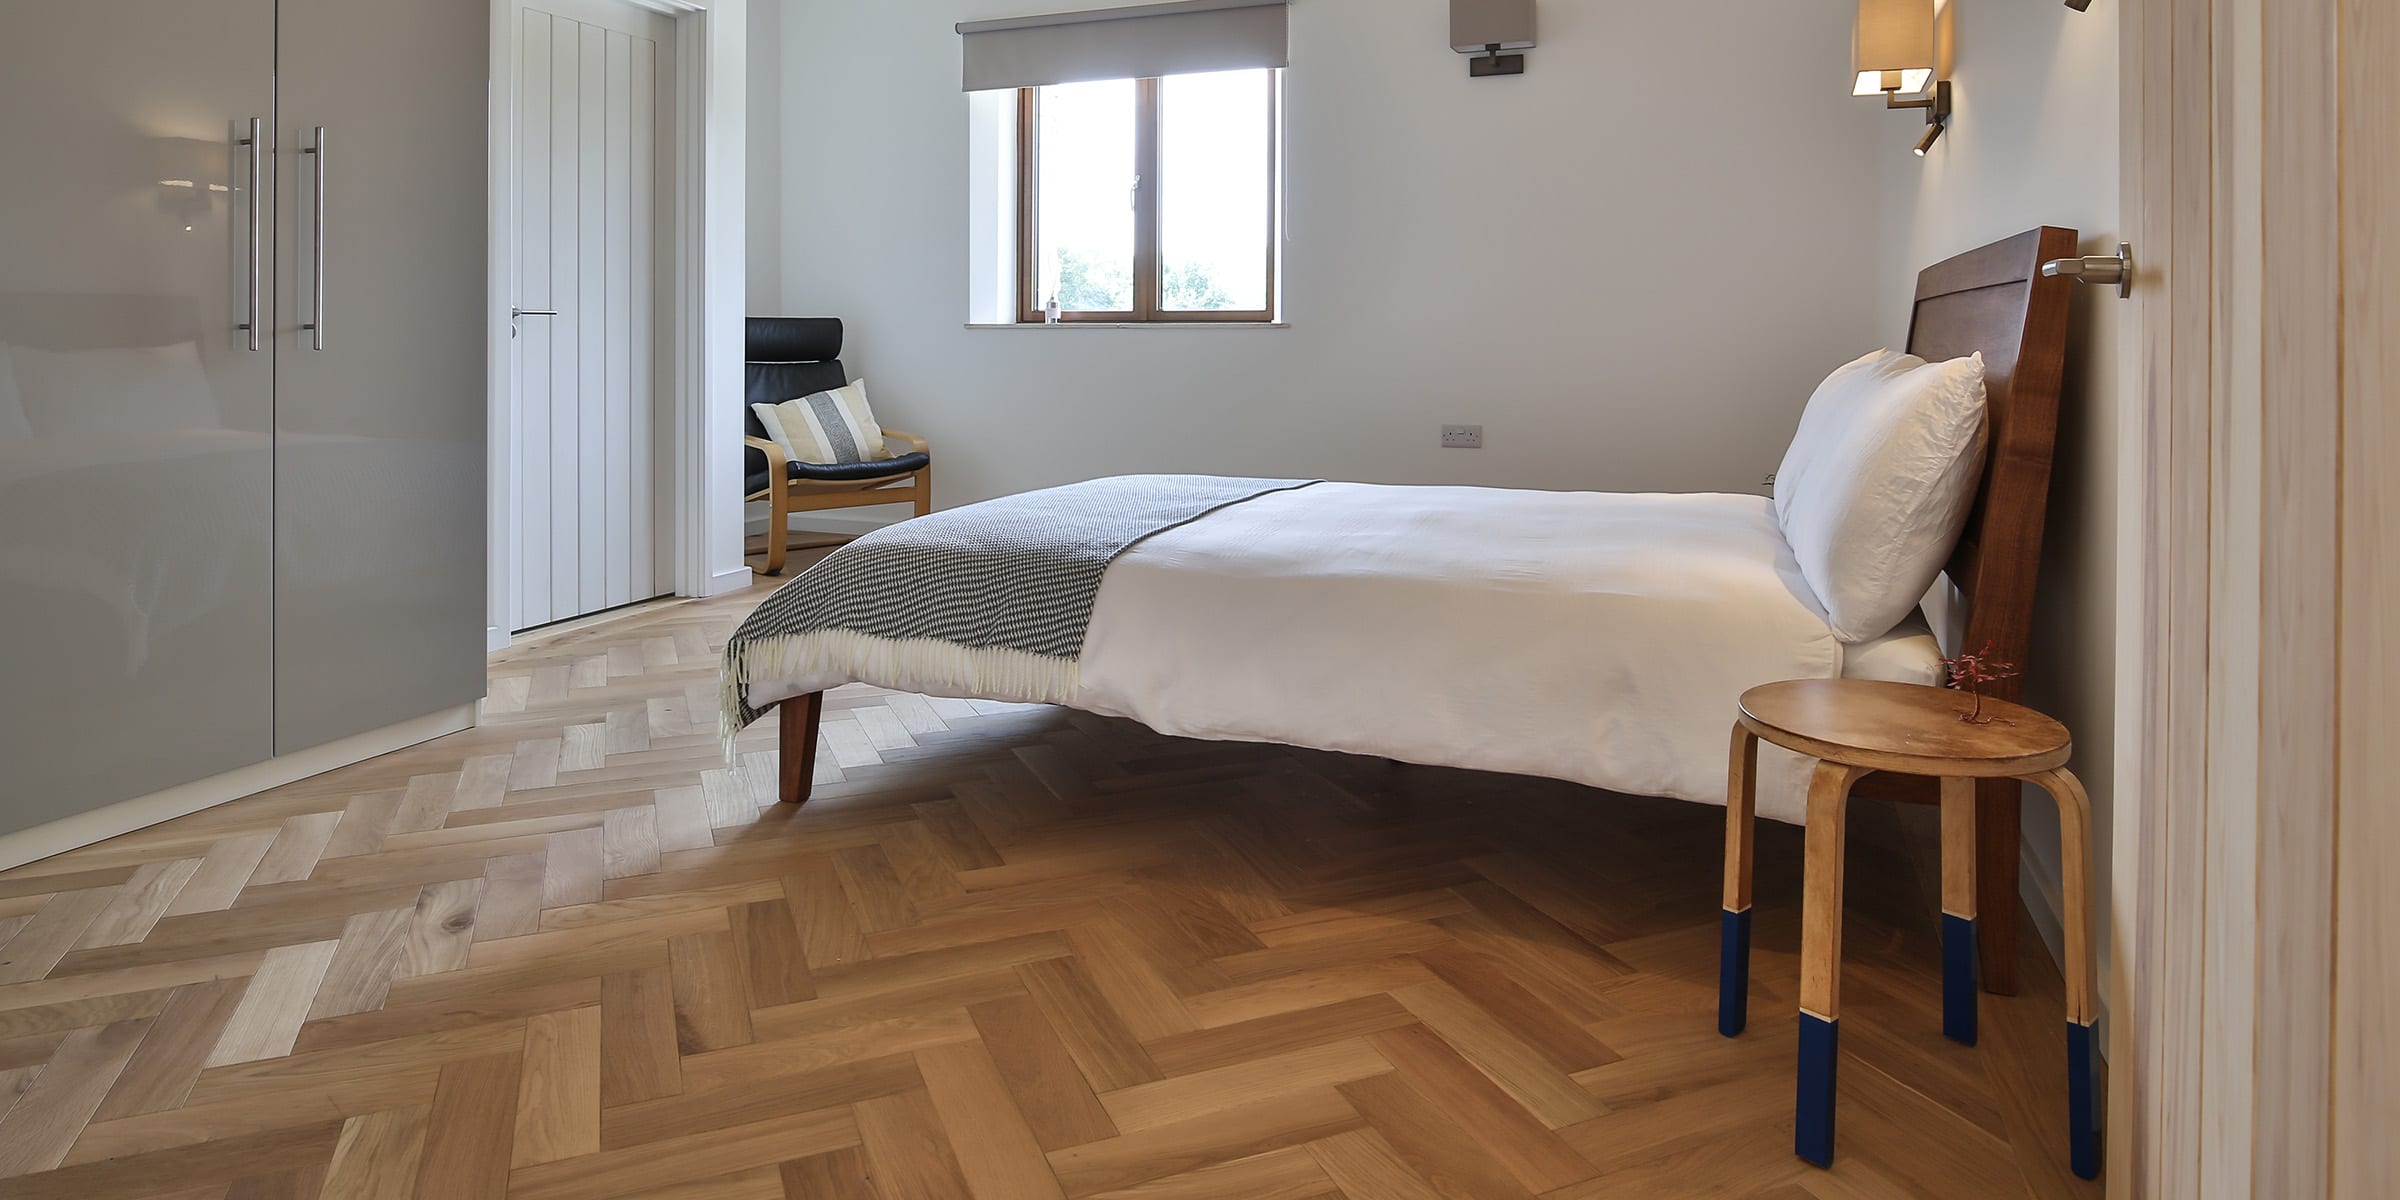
<point>380,434</point>
<point>135,411</point>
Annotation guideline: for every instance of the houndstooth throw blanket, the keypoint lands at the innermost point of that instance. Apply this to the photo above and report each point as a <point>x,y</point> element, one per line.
<point>990,600</point>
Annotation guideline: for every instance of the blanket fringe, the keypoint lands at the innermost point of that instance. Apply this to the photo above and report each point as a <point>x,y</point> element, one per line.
<point>929,664</point>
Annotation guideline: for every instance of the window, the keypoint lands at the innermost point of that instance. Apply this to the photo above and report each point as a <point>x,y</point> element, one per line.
<point>1149,200</point>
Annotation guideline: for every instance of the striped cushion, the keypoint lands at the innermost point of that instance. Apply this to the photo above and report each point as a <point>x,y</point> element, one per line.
<point>827,427</point>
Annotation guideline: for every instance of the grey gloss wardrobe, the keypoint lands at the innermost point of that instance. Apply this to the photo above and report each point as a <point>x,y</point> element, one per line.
<point>242,383</point>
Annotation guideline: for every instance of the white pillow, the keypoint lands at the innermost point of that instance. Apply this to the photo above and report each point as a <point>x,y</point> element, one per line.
<point>12,413</point>
<point>117,390</point>
<point>1877,484</point>
<point>825,427</point>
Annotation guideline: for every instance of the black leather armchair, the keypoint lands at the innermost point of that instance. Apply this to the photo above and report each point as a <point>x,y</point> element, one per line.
<point>790,357</point>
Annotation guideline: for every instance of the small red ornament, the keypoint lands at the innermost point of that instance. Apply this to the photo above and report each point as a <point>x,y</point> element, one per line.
<point>1969,672</point>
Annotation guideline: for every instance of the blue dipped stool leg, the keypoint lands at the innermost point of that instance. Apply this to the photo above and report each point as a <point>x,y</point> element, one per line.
<point>2083,1139</point>
<point>1812,1116</point>
<point>1733,974</point>
<point>1958,979</point>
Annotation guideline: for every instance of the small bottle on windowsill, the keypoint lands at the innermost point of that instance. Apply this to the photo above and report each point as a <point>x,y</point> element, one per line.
<point>1050,312</point>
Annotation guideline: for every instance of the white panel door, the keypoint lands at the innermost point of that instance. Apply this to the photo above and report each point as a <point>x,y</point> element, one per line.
<point>594,98</point>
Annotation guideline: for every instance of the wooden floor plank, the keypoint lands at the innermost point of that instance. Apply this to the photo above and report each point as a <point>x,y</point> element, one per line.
<point>558,1088</point>
<point>45,1121</point>
<point>267,1021</point>
<point>775,967</point>
<point>370,951</point>
<point>1539,1158</point>
<point>698,1110</point>
<point>908,1152</point>
<point>1287,1174</point>
<point>836,1175</point>
<point>712,1007</point>
<point>161,1072</point>
<point>469,1130</point>
<point>987,1128</point>
<point>511,903</point>
<point>638,1056</point>
<point>1109,1054</point>
<point>637,1169</point>
<point>1122,1162</point>
<point>294,850</point>
<point>378,1156</point>
<point>42,941</point>
<point>139,903</point>
<point>1038,1070</point>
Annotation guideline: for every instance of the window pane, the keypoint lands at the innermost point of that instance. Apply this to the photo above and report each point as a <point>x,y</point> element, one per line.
<point>1214,202</point>
<point>1085,175</point>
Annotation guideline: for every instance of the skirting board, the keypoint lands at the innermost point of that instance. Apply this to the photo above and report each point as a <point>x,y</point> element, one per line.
<point>125,816</point>
<point>847,524</point>
<point>729,581</point>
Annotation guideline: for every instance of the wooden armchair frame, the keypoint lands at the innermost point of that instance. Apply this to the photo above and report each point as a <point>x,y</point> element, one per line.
<point>785,495</point>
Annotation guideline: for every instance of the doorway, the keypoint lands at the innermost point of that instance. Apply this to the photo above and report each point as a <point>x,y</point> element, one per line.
<point>591,347</point>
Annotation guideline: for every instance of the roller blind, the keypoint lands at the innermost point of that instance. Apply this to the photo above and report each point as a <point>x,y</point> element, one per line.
<point>1124,43</point>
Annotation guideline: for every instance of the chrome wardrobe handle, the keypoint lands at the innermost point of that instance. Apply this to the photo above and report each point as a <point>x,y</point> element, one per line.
<point>316,328</point>
<point>258,174</point>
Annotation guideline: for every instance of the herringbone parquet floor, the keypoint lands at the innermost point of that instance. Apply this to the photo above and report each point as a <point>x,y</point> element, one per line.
<point>1005,952</point>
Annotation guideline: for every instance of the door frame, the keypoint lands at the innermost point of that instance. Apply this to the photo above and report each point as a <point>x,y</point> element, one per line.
<point>705,307</point>
<point>2259,921</point>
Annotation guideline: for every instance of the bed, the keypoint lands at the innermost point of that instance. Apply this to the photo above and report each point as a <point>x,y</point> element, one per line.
<point>1595,637</point>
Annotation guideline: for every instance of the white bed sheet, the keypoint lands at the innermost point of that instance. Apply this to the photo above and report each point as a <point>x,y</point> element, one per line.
<point>1596,637</point>
<point>1590,636</point>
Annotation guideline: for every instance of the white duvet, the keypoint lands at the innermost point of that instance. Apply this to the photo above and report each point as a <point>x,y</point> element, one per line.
<point>1596,637</point>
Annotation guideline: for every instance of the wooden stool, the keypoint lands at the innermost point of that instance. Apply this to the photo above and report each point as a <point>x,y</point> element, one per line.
<point>1854,728</point>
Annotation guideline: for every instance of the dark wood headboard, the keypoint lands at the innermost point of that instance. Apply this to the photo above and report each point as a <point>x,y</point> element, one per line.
<point>1995,300</point>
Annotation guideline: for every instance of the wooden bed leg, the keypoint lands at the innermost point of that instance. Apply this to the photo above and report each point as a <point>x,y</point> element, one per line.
<point>797,745</point>
<point>1996,837</point>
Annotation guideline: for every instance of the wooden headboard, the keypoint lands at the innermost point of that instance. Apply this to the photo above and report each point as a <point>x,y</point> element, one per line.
<point>1995,300</point>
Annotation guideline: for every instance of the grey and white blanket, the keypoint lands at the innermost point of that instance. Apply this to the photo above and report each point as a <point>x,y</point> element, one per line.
<point>989,600</point>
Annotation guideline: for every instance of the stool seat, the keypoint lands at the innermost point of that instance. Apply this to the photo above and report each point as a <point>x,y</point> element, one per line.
<point>1905,728</point>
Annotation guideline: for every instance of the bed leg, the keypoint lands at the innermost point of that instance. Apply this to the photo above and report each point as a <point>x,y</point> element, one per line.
<point>1996,900</point>
<point>797,745</point>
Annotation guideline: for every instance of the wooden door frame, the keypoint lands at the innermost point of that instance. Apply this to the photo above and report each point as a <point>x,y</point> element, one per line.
<point>2257,930</point>
<point>701,539</point>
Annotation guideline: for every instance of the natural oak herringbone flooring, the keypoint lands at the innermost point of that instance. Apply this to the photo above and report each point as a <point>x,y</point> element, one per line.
<point>1004,952</point>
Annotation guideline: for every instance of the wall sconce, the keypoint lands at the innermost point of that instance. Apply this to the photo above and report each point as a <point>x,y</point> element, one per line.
<point>1892,55</point>
<point>1489,29</point>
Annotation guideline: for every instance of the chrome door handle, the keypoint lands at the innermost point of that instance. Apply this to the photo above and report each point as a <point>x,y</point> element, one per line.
<point>316,328</point>
<point>258,170</point>
<point>514,313</point>
<point>2097,269</point>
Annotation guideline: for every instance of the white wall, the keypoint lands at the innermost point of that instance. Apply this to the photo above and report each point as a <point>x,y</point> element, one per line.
<point>2033,141</point>
<point>1629,265</point>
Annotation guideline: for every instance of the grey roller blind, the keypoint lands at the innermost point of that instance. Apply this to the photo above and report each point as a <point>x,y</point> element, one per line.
<point>1124,43</point>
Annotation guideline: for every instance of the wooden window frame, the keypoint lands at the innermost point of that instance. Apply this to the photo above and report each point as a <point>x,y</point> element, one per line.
<point>1146,310</point>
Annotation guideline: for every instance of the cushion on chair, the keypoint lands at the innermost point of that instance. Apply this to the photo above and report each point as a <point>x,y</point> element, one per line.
<point>828,427</point>
<point>788,357</point>
<point>882,468</point>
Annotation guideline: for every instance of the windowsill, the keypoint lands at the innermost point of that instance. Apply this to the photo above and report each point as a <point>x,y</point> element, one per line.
<point>1130,325</point>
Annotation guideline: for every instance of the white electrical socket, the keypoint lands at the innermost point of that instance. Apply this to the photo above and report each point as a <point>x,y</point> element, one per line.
<point>1462,437</point>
